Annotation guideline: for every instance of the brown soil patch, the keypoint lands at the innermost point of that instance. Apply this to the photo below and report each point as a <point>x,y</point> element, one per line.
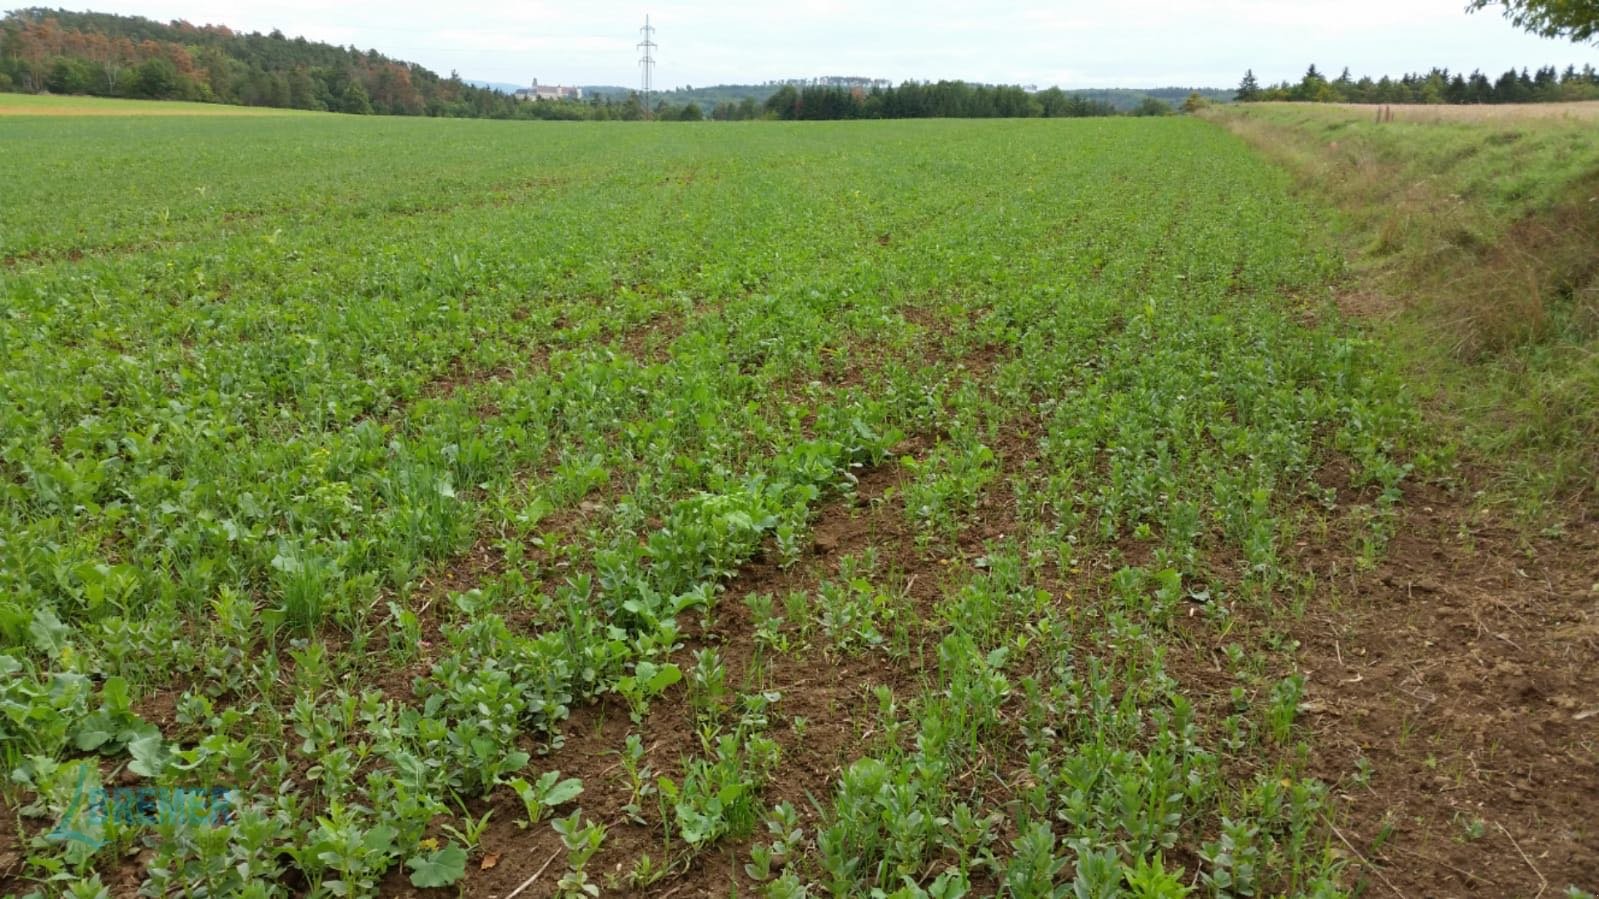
<point>1463,671</point>
<point>651,342</point>
<point>828,696</point>
<point>11,855</point>
<point>42,256</point>
<point>1363,303</point>
<point>831,692</point>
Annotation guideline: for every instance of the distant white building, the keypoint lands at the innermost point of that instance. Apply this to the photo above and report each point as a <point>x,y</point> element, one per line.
<point>548,92</point>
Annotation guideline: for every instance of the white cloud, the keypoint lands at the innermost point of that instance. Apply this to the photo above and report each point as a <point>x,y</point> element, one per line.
<point>1072,43</point>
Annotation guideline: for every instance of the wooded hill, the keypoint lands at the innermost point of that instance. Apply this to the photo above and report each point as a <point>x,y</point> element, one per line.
<point>128,56</point>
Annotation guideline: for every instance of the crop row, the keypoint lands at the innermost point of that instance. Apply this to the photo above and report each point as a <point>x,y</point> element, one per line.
<point>252,474</point>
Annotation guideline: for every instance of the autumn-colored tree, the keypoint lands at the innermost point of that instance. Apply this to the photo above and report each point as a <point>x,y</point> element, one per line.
<point>52,49</point>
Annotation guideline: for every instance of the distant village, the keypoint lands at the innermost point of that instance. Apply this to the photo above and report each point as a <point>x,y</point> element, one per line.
<point>548,92</point>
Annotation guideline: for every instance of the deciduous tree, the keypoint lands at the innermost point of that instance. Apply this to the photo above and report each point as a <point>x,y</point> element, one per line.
<point>1577,20</point>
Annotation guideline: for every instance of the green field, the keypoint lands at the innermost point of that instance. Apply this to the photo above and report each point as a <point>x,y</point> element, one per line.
<point>750,510</point>
<point>60,105</point>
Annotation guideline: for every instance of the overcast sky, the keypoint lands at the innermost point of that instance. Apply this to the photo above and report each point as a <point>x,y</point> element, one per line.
<point>1070,43</point>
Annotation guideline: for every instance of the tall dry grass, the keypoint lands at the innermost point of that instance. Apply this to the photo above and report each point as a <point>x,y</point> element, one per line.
<point>1585,111</point>
<point>1538,278</point>
<point>1473,235</point>
<point>1485,277</point>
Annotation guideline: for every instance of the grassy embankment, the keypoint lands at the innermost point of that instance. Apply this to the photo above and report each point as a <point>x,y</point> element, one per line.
<point>1474,239</point>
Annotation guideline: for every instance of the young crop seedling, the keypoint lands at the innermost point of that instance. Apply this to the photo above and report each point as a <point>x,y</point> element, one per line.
<point>545,794</point>
<point>356,488</point>
<point>647,681</point>
<point>582,840</point>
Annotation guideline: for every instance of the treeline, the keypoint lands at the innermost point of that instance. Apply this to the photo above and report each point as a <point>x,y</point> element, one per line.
<point>1546,85</point>
<point>107,55</point>
<point>943,99</point>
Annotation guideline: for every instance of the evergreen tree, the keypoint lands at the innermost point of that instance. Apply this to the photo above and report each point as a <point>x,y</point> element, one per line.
<point>1248,89</point>
<point>1345,85</point>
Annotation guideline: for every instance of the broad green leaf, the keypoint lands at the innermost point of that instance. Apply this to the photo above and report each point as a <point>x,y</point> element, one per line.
<point>94,731</point>
<point>437,869</point>
<point>668,675</point>
<point>563,792</point>
<point>48,634</point>
<point>149,755</point>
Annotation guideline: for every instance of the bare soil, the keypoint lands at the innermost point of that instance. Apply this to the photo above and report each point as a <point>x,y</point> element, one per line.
<point>829,694</point>
<point>1464,671</point>
<point>826,697</point>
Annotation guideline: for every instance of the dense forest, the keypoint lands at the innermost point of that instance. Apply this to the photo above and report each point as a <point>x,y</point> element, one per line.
<point>1546,85</point>
<point>944,99</point>
<point>734,95</point>
<point>707,97</point>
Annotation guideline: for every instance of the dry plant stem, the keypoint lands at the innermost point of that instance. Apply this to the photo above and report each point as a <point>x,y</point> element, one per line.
<point>1543,882</point>
<point>529,882</point>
